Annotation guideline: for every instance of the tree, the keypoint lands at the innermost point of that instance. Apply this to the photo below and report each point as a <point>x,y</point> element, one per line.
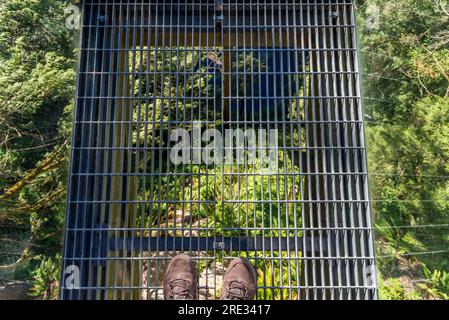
<point>37,80</point>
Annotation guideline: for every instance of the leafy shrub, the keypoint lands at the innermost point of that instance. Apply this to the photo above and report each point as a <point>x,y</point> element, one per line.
<point>438,283</point>
<point>46,279</point>
<point>393,289</point>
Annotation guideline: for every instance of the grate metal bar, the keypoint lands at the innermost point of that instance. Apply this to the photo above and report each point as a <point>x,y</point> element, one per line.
<point>206,243</point>
<point>278,71</point>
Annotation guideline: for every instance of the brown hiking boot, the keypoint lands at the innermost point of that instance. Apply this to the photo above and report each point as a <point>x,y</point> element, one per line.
<point>239,282</point>
<point>180,279</point>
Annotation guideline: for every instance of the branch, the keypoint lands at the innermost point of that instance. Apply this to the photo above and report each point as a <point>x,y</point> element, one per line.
<point>26,253</point>
<point>442,5</point>
<point>52,161</point>
<point>44,202</point>
<point>443,73</point>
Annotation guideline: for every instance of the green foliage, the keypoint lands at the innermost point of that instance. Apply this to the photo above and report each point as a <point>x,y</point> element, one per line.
<point>37,79</point>
<point>46,278</point>
<point>438,283</point>
<point>392,289</point>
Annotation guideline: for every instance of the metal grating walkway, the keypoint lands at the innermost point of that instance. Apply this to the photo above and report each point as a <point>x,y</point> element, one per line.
<point>282,75</point>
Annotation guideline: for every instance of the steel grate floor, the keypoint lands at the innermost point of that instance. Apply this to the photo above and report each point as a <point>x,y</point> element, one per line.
<point>287,185</point>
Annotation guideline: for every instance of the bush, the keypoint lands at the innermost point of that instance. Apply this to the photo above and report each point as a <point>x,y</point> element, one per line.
<point>46,279</point>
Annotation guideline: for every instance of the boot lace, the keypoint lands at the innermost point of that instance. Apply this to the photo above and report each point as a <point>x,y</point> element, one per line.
<point>237,290</point>
<point>180,290</point>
